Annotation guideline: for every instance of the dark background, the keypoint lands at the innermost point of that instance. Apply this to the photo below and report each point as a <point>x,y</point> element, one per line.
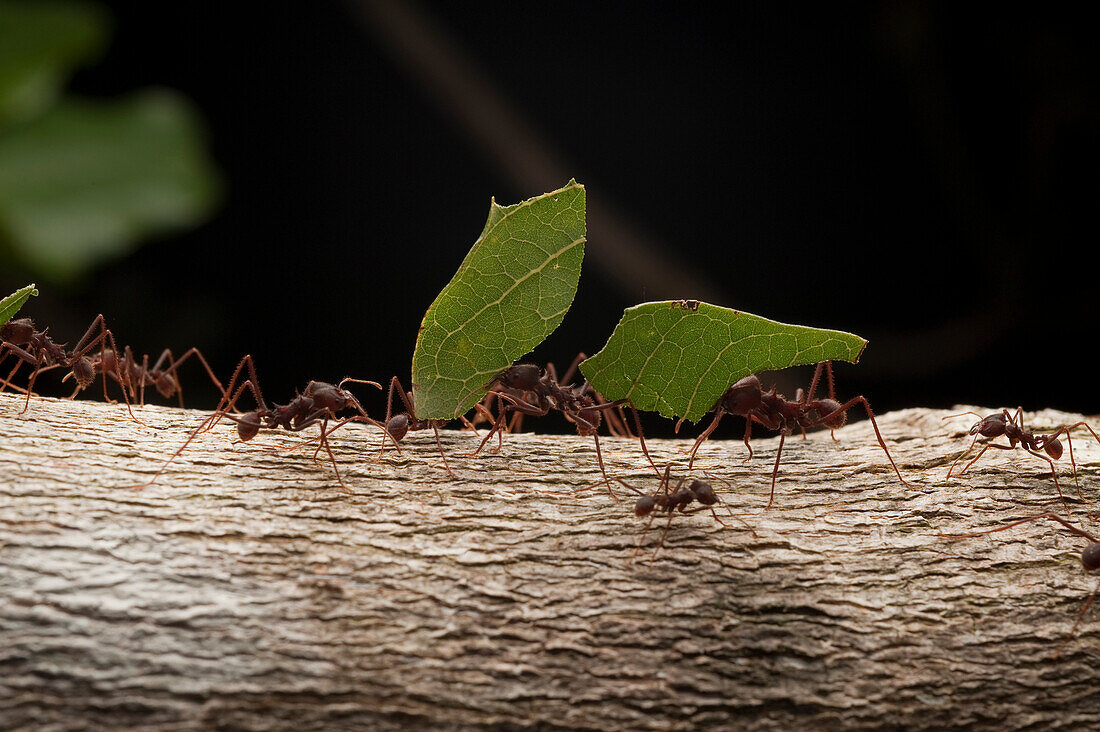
<point>918,174</point>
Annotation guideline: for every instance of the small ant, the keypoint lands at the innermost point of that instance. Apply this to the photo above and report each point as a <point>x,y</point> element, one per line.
<point>84,363</point>
<point>773,411</point>
<point>1090,559</point>
<point>671,501</point>
<point>318,403</point>
<point>1012,427</point>
<point>399,425</point>
<point>527,389</point>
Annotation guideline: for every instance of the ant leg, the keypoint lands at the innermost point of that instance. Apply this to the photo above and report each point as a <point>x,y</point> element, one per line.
<point>981,452</point>
<point>171,369</point>
<point>775,470</point>
<point>572,370</point>
<point>1080,617</point>
<point>962,455</point>
<point>874,423</point>
<point>641,437</point>
<point>439,444</point>
<point>328,449</point>
<point>395,383</point>
<point>748,436</point>
<point>705,434</point>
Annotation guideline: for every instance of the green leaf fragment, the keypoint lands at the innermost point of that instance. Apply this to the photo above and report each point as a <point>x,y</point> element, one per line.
<point>678,357</point>
<point>510,292</point>
<point>10,305</point>
<point>41,43</point>
<point>86,180</point>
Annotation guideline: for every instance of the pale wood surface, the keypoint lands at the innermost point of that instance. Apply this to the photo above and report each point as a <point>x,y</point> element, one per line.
<point>247,589</point>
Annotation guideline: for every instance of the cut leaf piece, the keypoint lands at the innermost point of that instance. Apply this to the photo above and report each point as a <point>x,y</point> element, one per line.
<point>510,292</point>
<point>10,305</point>
<point>678,357</point>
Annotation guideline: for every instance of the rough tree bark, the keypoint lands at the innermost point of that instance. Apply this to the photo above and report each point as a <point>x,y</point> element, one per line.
<point>247,589</point>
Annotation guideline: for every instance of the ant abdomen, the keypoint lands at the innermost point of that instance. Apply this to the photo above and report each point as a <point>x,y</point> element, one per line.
<point>645,505</point>
<point>1090,558</point>
<point>248,425</point>
<point>991,426</point>
<point>83,372</point>
<point>398,427</point>
<point>703,492</point>
<point>827,412</point>
<point>166,385</point>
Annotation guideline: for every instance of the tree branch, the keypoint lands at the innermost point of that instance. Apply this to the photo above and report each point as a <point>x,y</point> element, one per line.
<point>247,589</point>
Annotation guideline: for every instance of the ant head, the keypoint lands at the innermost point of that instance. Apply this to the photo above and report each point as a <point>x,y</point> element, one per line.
<point>522,376</point>
<point>17,332</point>
<point>826,410</point>
<point>743,396</point>
<point>991,426</point>
<point>248,426</point>
<point>1090,558</point>
<point>703,492</point>
<point>645,506</point>
<point>166,384</point>
<point>398,426</point>
<point>1053,447</point>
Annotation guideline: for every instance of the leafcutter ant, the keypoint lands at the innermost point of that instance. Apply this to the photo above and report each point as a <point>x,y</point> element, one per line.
<point>671,501</point>
<point>1045,447</point>
<point>773,411</point>
<point>319,403</point>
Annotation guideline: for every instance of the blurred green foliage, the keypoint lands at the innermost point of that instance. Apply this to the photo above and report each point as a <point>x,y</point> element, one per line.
<point>83,181</point>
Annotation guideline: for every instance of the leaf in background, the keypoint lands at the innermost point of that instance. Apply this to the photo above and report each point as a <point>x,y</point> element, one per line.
<point>86,180</point>
<point>510,292</point>
<point>678,357</point>
<point>41,42</point>
<point>10,305</point>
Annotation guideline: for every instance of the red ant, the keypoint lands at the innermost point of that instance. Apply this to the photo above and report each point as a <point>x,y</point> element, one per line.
<point>399,425</point>
<point>35,347</point>
<point>38,349</point>
<point>527,389</point>
<point>616,420</point>
<point>671,501</point>
<point>133,376</point>
<point>1090,559</point>
<point>318,403</point>
<point>773,411</point>
<point>1012,427</point>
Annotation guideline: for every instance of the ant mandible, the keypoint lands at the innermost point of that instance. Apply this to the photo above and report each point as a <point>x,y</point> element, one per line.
<point>320,402</point>
<point>1012,427</point>
<point>773,411</point>
<point>1090,559</point>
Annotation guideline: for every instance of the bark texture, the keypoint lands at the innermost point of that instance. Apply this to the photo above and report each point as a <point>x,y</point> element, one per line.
<point>247,589</point>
